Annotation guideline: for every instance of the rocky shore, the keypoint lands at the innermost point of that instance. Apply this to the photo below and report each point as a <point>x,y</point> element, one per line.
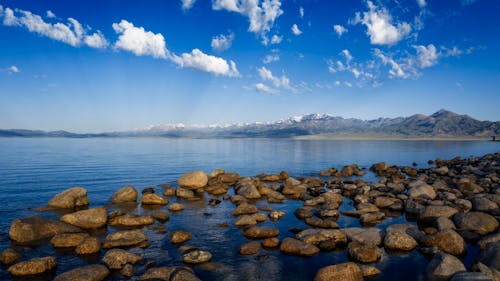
<point>451,204</point>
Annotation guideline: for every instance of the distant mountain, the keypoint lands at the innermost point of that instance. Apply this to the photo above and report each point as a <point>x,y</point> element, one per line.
<point>442,124</point>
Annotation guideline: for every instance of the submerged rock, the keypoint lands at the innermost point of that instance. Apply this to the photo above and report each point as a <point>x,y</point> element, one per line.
<point>33,266</point>
<point>250,248</point>
<point>348,271</point>
<point>91,218</point>
<point>176,207</point>
<point>125,194</point>
<point>31,229</point>
<point>94,272</point>
<point>70,198</point>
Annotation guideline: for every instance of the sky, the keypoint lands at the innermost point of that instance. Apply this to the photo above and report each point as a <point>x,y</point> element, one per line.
<point>95,65</point>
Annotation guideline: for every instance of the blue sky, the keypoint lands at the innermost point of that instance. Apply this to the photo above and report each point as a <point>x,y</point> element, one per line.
<point>90,66</point>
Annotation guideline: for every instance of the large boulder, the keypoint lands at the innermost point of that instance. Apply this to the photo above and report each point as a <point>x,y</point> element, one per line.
<point>443,266</point>
<point>193,180</point>
<point>70,198</point>
<point>87,219</point>
<point>125,238</point>
<point>94,272</point>
<point>118,258</point>
<point>33,266</point>
<point>348,271</point>
<point>447,241</point>
<point>31,229</point>
<point>125,194</point>
<point>131,220</point>
<point>174,273</point>
<point>296,247</point>
<point>477,222</point>
<point>68,239</point>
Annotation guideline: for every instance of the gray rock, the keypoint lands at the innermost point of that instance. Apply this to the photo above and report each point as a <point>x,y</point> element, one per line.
<point>470,276</point>
<point>443,266</point>
<point>490,256</point>
<point>477,222</point>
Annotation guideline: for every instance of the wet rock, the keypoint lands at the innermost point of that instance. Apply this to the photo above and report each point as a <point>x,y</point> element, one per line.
<point>9,256</point>
<point>229,178</point>
<point>384,201</point>
<point>32,229</point>
<point>371,236</point>
<point>184,193</point>
<point>369,271</point>
<point>250,248</point>
<point>276,215</point>
<point>68,239</point>
<point>174,273</point>
<point>125,238</point>
<point>131,220</point>
<point>193,180</point>
<point>379,168</point>
<point>419,189</point>
<point>364,252</point>
<point>477,222</point>
<point>483,204</point>
<point>33,266</point>
<point>348,271</point>
<point>148,190</point>
<point>490,256</point>
<point>399,241</point>
<point>245,209</point>
<point>443,223</point>
<point>127,270</point>
<point>160,215</point>
<point>447,241</point>
<point>433,212</point>
<point>176,207</point>
<point>463,204</point>
<point>169,191</point>
<point>327,245</point>
<point>369,218</point>
<point>125,194</point>
<point>443,170</point>
<point>316,236</point>
<point>443,267</point>
<point>87,219</point>
<point>180,236</point>
<point>196,257</point>
<point>488,239</point>
<point>304,212</point>
<point>118,258</point>
<point>246,187</point>
<point>270,178</point>
<point>470,276</point>
<point>89,245</point>
<point>322,223</point>
<point>153,199</point>
<point>214,202</point>
<point>271,242</point>
<point>94,272</point>
<point>291,246</point>
<point>70,198</point>
<point>257,232</point>
<point>245,220</point>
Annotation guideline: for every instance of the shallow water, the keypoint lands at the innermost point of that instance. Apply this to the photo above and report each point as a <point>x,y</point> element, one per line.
<point>33,170</point>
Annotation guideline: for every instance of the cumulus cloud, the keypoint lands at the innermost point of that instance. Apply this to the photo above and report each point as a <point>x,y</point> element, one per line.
<point>265,89</point>
<point>339,29</point>
<point>427,56</point>
<point>50,14</point>
<point>275,39</point>
<point>222,42</point>
<point>207,63</point>
<point>267,75</point>
<point>72,32</point>
<point>301,12</point>
<point>138,41</point>
<point>261,14</point>
<point>421,3</point>
<point>380,27</point>
<point>13,69</point>
<point>187,4</point>
<point>347,55</point>
<point>295,30</point>
<point>270,58</point>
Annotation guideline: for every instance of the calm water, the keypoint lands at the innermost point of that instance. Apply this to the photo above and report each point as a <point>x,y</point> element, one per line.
<point>33,170</point>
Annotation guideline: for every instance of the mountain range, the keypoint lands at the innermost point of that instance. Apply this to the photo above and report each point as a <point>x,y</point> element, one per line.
<point>442,124</point>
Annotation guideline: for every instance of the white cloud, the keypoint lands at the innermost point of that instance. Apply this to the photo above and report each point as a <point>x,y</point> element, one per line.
<point>426,56</point>
<point>138,41</point>
<point>266,89</point>
<point>222,42</point>
<point>270,58</point>
<point>50,14</point>
<point>13,69</point>
<point>347,55</point>
<point>421,3</point>
<point>275,39</point>
<point>207,63</point>
<point>301,12</point>
<point>261,14</point>
<point>339,29</point>
<point>380,27</point>
<point>396,70</point>
<point>347,84</point>
<point>296,30</point>
<point>267,75</point>
<point>71,33</point>
<point>187,4</point>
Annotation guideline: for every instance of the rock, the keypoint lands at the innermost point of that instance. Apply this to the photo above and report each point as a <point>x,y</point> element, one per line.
<point>443,266</point>
<point>270,178</point>
<point>370,235</point>
<point>174,273</point>
<point>148,190</point>
<point>193,180</point>
<point>214,202</point>
<point>491,256</point>
<point>488,239</point>
<point>470,276</point>
<point>432,212</point>
<point>291,246</point>
<point>89,245</point>
<point>322,223</point>
<point>245,220</point>
<point>304,212</point>
<point>384,201</point>
<point>125,238</point>
<point>245,209</point>
<point>316,236</point>
<point>31,229</point>
<point>196,257</point>
<point>419,189</point>
<point>250,248</point>
<point>348,271</point>
<point>33,266</point>
<point>118,258</point>
<point>125,194</point>
<point>180,236</point>
<point>371,217</point>
<point>94,272</point>
<point>246,188</point>
<point>443,170</point>
<point>9,256</point>
<point>447,241</point>
<point>170,191</point>
<point>443,223</point>
<point>477,222</point>
<point>364,252</point>
<point>160,215</point>
<point>176,207</point>
<point>68,239</point>
<point>369,271</point>
<point>257,232</point>
<point>184,193</point>
<point>70,198</point>
<point>153,199</point>
<point>127,270</point>
<point>87,219</point>
<point>483,204</point>
<point>379,168</point>
<point>229,178</point>
<point>463,204</point>
<point>276,215</point>
<point>272,242</point>
<point>131,220</point>
<point>399,241</point>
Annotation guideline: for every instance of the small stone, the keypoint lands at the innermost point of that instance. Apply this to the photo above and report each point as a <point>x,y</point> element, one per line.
<point>127,270</point>
<point>176,207</point>
<point>148,190</point>
<point>125,194</point>
<point>272,242</point>
<point>276,215</point>
<point>118,258</point>
<point>160,215</point>
<point>369,271</point>
<point>9,256</point>
<point>250,248</point>
<point>180,236</point>
<point>196,257</point>
<point>257,232</point>
<point>153,199</point>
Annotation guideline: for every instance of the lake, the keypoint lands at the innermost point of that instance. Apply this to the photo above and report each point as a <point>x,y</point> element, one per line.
<point>32,170</point>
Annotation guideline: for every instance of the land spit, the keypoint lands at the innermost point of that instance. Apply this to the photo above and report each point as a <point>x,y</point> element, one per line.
<point>451,203</point>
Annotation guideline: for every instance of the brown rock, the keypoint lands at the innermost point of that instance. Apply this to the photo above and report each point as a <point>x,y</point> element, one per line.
<point>89,245</point>
<point>118,258</point>
<point>245,209</point>
<point>125,194</point>
<point>369,271</point>
<point>196,257</point>
<point>153,199</point>
<point>91,218</point>
<point>257,232</point>
<point>70,198</point>
<point>176,207</point>
<point>193,180</point>
<point>9,256</point>
<point>364,252</point>
<point>68,239</point>
<point>33,266</point>
<point>131,220</point>
<point>478,222</point>
<point>447,241</point>
<point>272,242</point>
<point>180,236</point>
<point>174,273</point>
<point>348,271</point>
<point>94,272</point>
<point>125,238</point>
<point>291,246</point>
<point>399,241</point>
<point>250,248</point>
<point>35,228</point>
